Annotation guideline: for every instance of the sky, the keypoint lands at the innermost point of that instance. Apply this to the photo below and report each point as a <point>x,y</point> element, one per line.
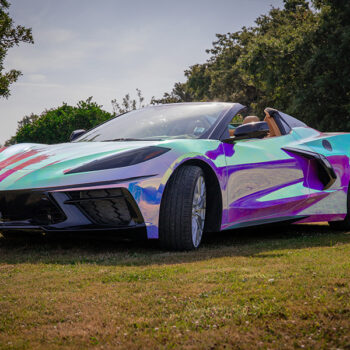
<point>108,48</point>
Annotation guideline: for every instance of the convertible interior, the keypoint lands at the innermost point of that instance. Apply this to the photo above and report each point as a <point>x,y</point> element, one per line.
<point>273,120</point>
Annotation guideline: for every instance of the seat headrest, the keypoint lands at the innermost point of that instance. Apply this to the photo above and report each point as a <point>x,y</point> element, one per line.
<point>274,129</point>
<point>251,119</point>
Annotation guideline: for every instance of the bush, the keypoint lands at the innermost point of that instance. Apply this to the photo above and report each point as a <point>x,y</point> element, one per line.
<point>55,125</point>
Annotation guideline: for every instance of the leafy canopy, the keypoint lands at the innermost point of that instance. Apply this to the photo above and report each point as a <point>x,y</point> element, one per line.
<point>295,59</point>
<point>55,125</point>
<point>10,35</point>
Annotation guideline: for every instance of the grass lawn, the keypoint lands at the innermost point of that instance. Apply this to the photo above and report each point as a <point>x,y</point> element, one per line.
<point>284,287</point>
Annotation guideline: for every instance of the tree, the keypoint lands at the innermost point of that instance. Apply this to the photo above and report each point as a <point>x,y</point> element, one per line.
<point>128,104</point>
<point>179,93</point>
<point>10,35</point>
<point>323,94</point>
<point>294,58</point>
<point>299,60</point>
<point>55,125</point>
<point>275,57</point>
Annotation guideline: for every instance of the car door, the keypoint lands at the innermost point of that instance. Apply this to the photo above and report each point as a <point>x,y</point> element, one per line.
<point>264,182</point>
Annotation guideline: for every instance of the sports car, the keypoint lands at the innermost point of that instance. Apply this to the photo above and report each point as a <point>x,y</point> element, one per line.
<point>178,171</point>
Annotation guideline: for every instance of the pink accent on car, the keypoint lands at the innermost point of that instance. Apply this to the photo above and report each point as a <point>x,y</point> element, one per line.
<point>22,166</point>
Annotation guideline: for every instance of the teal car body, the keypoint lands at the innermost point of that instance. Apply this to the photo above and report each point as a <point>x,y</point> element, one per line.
<point>301,175</point>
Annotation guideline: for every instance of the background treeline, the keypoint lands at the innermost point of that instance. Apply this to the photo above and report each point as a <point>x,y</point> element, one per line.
<point>296,59</point>
<point>55,125</point>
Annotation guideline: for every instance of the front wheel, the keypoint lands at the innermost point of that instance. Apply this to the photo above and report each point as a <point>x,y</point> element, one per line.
<point>183,209</point>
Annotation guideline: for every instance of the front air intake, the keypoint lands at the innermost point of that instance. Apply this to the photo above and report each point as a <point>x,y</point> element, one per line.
<point>35,207</point>
<point>111,207</point>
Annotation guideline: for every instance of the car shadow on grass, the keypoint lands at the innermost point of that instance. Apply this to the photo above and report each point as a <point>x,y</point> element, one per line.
<point>263,241</point>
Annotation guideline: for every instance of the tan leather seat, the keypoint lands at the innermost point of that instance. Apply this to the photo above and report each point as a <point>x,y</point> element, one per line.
<point>274,129</point>
<point>246,120</point>
<point>250,119</point>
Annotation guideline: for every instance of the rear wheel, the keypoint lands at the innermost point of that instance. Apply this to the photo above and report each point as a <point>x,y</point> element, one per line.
<point>343,224</point>
<point>183,209</point>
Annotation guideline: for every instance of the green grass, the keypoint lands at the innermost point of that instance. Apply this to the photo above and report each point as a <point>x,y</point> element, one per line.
<point>276,288</point>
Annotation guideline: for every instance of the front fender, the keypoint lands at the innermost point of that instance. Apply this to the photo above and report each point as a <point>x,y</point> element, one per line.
<point>214,158</point>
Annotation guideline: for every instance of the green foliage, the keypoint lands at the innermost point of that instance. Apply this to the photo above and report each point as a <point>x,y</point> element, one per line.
<point>178,94</point>
<point>276,56</point>
<point>299,62</point>
<point>10,35</point>
<point>323,96</point>
<point>55,125</point>
<point>294,58</point>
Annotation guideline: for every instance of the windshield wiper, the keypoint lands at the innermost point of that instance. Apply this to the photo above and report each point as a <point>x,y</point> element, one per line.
<point>130,139</point>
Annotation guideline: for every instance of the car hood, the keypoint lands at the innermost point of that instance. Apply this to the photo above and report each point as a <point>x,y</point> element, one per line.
<point>37,156</point>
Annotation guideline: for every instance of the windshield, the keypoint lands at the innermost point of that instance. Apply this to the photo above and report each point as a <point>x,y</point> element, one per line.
<point>160,122</point>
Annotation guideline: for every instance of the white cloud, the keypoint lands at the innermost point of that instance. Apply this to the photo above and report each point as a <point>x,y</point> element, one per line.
<point>39,85</point>
<point>57,36</point>
<point>36,78</point>
<point>52,59</point>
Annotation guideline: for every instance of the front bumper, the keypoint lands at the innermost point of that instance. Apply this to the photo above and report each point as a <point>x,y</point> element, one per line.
<point>69,210</point>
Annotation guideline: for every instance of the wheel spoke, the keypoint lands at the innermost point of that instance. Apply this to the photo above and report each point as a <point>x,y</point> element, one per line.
<point>199,223</point>
<point>202,189</point>
<point>197,234</point>
<point>194,226</point>
<point>198,211</point>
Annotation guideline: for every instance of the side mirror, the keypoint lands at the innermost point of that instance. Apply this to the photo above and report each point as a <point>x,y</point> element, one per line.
<point>76,133</point>
<point>256,130</point>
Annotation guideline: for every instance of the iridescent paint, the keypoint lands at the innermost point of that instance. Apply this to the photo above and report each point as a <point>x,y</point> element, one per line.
<point>259,181</point>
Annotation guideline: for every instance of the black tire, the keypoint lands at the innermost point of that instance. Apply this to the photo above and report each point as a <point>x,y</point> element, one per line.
<point>343,225</point>
<point>175,223</point>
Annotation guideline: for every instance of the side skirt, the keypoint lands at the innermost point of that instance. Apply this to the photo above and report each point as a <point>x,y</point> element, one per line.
<point>286,219</point>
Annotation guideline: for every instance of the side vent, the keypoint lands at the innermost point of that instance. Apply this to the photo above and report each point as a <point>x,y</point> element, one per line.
<point>322,167</point>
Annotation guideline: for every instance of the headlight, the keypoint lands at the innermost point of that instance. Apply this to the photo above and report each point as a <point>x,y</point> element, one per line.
<point>121,160</point>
